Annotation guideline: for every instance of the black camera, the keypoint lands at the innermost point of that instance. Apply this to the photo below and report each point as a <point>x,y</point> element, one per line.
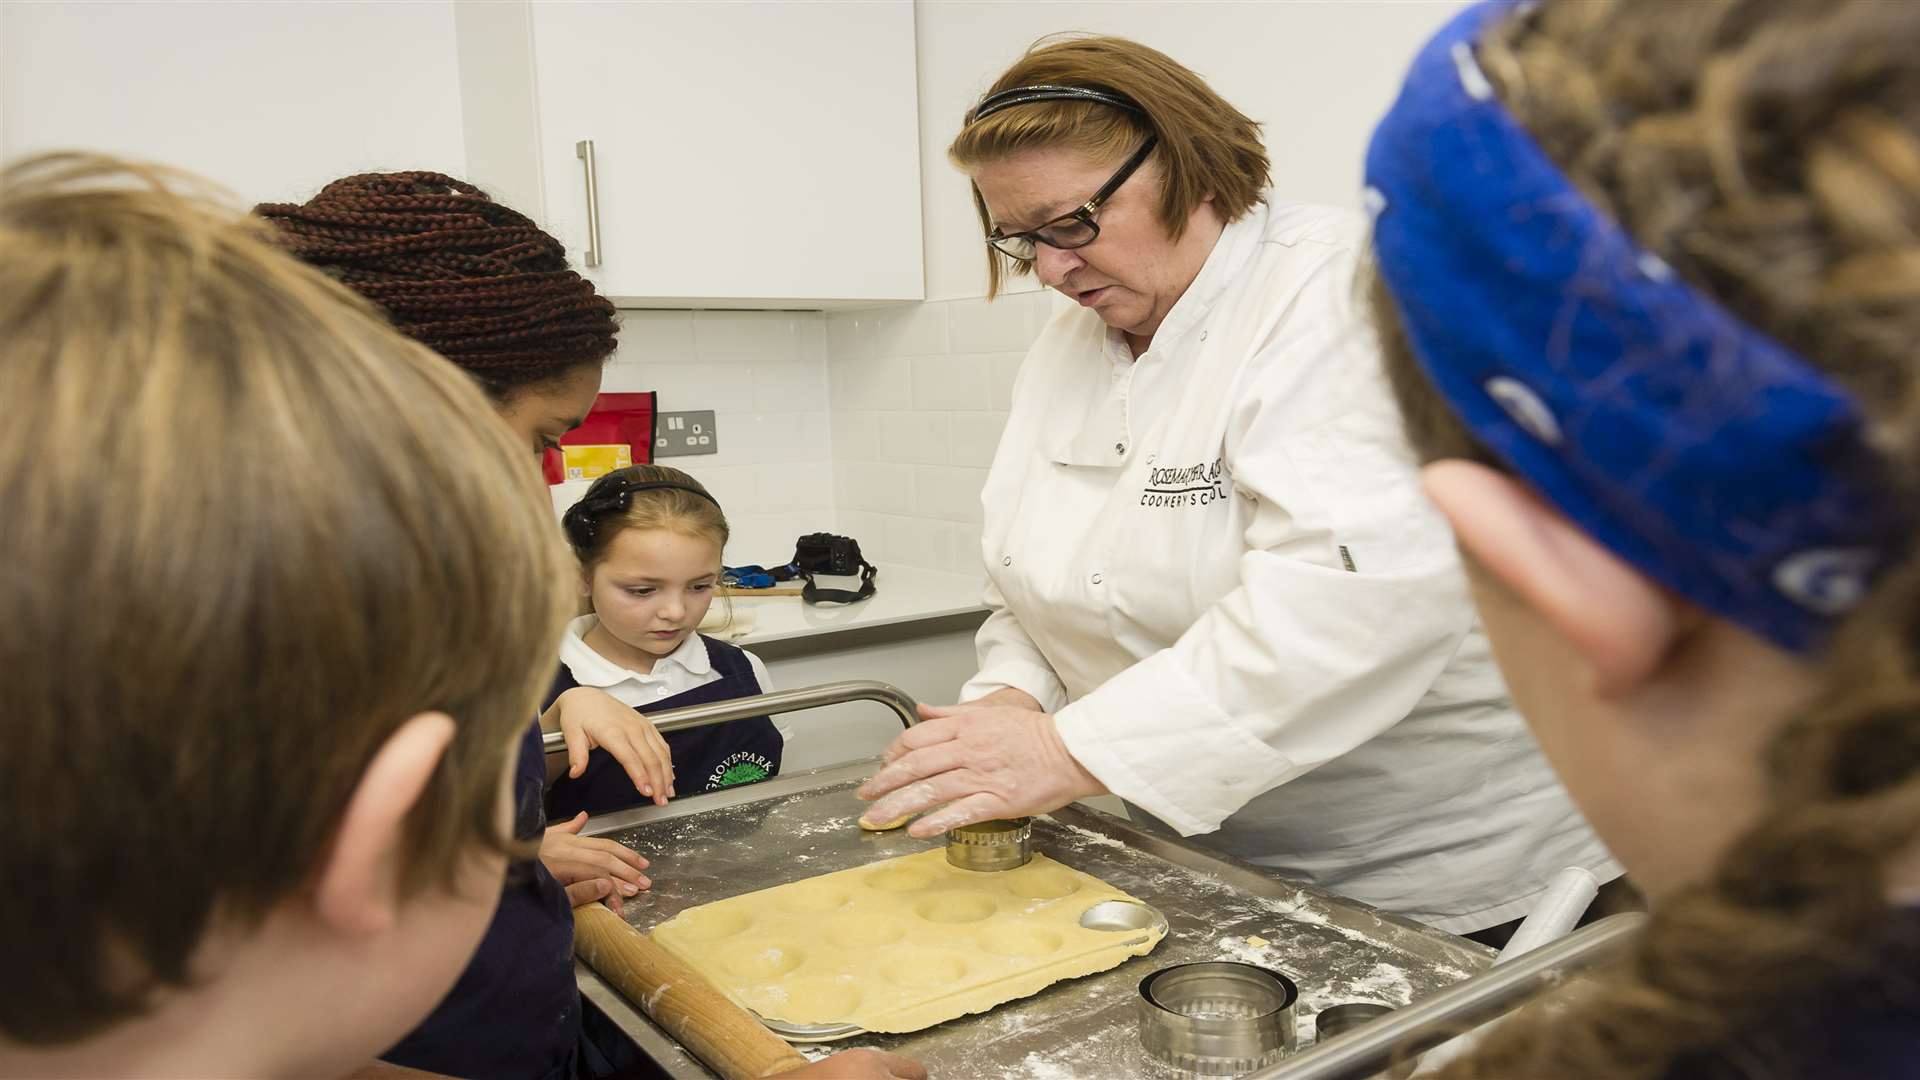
<point>825,553</point>
<point>834,556</point>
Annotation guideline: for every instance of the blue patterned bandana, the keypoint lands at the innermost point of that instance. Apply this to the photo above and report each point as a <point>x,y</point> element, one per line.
<point>1704,453</point>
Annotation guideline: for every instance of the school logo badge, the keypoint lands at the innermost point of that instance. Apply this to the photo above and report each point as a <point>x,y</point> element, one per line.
<point>744,767</point>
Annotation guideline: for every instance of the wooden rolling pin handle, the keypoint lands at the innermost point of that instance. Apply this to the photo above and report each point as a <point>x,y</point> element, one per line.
<point>720,1033</point>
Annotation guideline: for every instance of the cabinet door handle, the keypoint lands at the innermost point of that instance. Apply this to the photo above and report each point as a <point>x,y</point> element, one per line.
<point>584,151</point>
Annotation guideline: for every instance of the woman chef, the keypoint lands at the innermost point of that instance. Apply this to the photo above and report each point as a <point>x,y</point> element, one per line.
<point>1216,589</point>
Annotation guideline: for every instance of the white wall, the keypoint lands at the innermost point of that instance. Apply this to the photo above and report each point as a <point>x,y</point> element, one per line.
<point>270,99</point>
<point>764,373</point>
<point>920,395</point>
<point>1317,73</point>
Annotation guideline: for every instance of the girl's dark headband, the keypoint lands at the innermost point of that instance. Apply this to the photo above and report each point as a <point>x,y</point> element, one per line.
<point>582,520</point>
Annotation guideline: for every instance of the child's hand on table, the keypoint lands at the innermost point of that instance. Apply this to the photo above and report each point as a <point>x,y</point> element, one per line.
<point>588,717</point>
<point>592,868</point>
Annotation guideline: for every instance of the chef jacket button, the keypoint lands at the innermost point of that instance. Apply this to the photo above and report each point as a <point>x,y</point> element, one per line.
<point>1096,577</point>
<point>1120,448</point>
<point>1203,335</point>
<point>1006,560</point>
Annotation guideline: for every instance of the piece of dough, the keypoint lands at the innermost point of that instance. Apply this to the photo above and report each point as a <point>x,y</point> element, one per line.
<point>902,944</point>
<point>884,826</point>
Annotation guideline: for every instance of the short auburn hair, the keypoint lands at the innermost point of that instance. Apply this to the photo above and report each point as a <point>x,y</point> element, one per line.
<point>249,531</point>
<point>1207,147</point>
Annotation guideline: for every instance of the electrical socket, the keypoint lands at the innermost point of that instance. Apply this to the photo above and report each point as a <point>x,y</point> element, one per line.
<point>681,434</point>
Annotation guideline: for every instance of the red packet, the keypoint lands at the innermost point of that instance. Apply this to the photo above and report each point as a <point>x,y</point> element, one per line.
<point>616,420</point>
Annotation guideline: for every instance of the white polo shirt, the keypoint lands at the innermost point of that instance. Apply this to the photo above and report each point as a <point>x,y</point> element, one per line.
<point>685,668</point>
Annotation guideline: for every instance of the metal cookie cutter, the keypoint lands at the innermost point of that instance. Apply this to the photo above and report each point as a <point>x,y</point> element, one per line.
<point>1344,1017</point>
<point>1217,1019</point>
<point>991,845</point>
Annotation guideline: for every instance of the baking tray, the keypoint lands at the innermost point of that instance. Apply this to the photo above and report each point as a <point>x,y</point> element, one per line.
<point>744,839</point>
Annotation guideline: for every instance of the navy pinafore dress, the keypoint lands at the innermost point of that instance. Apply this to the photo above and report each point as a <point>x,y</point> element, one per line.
<point>704,758</point>
<point>515,1011</point>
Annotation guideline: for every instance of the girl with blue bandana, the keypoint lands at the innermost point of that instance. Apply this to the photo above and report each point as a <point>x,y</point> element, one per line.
<point>1649,279</point>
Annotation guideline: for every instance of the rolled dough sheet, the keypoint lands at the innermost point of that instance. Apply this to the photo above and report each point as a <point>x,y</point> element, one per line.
<point>902,944</point>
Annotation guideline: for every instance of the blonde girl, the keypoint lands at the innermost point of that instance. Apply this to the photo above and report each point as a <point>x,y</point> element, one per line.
<point>649,540</point>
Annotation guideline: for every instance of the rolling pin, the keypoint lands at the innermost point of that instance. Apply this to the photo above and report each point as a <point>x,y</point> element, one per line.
<point>720,1033</point>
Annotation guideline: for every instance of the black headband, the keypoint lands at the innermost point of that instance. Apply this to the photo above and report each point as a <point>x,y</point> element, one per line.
<point>1023,95</point>
<point>582,519</point>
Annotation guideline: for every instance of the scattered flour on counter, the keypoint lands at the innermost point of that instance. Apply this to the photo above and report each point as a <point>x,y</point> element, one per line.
<point>1384,983</point>
<point>1087,837</point>
<point>1109,1054</point>
<point>821,828</point>
<point>1246,952</point>
<point>1035,1067</point>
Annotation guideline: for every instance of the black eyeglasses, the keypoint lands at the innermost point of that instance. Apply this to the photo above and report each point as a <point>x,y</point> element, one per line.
<point>1073,230</point>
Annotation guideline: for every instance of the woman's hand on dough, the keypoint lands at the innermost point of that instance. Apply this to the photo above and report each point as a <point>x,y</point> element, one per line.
<point>862,1065</point>
<point>589,717</point>
<point>976,763</point>
<point>592,868</point>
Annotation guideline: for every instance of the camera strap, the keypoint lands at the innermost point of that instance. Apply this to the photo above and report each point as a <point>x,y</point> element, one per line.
<point>814,594</point>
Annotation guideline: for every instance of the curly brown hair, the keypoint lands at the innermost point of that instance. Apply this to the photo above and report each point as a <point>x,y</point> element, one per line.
<point>1769,151</point>
<point>474,280</point>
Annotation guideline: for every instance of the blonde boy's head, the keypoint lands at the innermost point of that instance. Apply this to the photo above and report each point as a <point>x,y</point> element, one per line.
<point>249,532</point>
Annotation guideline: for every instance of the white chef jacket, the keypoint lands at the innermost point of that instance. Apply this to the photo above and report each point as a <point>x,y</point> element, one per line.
<point>1215,566</point>
<point>687,667</point>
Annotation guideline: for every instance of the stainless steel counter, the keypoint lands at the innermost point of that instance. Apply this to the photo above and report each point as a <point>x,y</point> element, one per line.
<point>714,846</point>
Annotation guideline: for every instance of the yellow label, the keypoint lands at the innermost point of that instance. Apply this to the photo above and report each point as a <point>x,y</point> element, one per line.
<point>592,462</point>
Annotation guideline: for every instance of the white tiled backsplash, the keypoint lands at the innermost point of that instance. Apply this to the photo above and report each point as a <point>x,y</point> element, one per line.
<point>764,373</point>
<point>879,424</point>
<point>919,397</point>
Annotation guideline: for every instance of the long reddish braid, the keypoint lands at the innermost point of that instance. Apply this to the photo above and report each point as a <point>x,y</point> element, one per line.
<point>476,281</point>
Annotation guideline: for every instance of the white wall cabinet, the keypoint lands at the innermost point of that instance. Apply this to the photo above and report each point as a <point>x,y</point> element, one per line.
<point>755,154</point>
<point>270,100</point>
<point>752,154</point>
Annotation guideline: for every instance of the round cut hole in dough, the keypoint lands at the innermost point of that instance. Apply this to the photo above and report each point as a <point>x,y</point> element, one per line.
<point>712,925</point>
<point>955,908</point>
<point>815,900</point>
<point>762,959</point>
<point>913,968</point>
<point>865,933</point>
<point>1041,883</point>
<point>1019,941</point>
<point>898,879</point>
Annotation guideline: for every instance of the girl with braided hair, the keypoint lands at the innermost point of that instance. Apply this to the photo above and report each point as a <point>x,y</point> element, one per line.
<point>476,281</point>
<point>483,286</point>
<point>1649,279</point>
